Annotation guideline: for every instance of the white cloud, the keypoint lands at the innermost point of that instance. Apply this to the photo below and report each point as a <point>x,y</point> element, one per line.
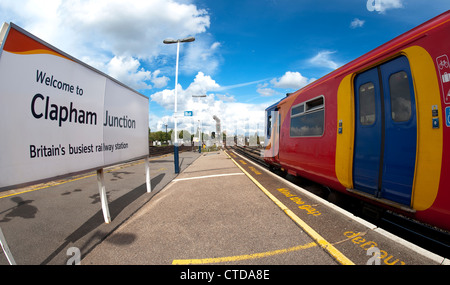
<point>201,56</point>
<point>266,92</point>
<point>226,98</point>
<point>159,82</point>
<point>323,59</point>
<point>201,85</point>
<point>294,80</point>
<point>215,45</point>
<point>37,14</point>
<point>290,80</point>
<point>235,118</point>
<point>357,23</point>
<point>222,88</point>
<point>232,114</point>
<point>133,27</point>
<point>121,37</point>
<point>127,69</point>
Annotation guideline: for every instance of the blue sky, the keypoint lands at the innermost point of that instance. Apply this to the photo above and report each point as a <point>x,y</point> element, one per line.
<point>247,55</point>
<point>282,45</point>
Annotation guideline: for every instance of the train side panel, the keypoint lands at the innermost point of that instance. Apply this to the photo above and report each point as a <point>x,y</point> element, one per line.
<point>424,48</point>
<point>308,136</point>
<point>272,136</point>
<point>318,124</point>
<point>437,45</point>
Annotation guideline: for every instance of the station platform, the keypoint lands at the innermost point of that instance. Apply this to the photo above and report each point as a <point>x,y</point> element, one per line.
<point>225,210</point>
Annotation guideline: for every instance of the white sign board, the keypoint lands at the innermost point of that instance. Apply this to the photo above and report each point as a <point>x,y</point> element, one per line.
<point>59,116</point>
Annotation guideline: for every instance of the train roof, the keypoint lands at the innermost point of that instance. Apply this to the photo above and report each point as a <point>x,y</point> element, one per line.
<point>274,105</point>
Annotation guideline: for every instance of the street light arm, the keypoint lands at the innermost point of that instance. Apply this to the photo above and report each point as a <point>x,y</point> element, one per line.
<point>170,41</point>
<point>185,40</point>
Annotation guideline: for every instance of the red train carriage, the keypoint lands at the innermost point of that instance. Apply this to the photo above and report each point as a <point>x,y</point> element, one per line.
<point>377,128</point>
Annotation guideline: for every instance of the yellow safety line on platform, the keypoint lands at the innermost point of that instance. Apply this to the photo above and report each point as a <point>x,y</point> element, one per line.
<point>310,231</point>
<point>241,257</point>
<point>207,176</point>
<point>52,183</point>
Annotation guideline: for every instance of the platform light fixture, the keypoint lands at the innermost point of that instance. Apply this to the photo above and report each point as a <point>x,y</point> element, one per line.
<point>175,153</point>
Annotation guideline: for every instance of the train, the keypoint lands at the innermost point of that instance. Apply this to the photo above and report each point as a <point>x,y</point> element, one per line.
<point>377,128</point>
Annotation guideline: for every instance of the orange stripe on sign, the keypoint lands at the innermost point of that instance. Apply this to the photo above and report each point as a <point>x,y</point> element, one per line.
<point>19,43</point>
<point>40,51</point>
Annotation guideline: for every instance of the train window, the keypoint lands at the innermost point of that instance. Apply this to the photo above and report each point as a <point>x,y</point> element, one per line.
<point>400,97</point>
<point>309,123</point>
<point>314,104</point>
<point>298,109</point>
<point>367,104</point>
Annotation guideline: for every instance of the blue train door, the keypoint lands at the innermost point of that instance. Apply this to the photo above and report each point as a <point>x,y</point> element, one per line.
<point>385,132</point>
<point>368,132</point>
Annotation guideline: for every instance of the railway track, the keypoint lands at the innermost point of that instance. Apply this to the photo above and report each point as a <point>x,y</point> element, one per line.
<point>428,237</point>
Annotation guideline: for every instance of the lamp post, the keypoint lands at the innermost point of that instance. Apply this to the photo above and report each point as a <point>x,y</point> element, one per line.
<point>200,141</point>
<point>218,131</point>
<point>199,126</point>
<point>166,130</point>
<point>171,41</point>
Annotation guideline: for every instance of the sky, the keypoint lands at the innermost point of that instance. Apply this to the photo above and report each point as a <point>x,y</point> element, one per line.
<point>247,54</point>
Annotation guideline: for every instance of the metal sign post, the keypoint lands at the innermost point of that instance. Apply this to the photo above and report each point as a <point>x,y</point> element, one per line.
<point>6,249</point>
<point>103,198</point>
<point>147,175</point>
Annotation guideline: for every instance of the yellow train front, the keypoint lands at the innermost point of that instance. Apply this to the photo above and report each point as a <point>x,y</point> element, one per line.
<point>377,128</point>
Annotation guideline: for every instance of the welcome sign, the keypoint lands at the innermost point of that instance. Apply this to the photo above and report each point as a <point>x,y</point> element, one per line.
<point>59,116</point>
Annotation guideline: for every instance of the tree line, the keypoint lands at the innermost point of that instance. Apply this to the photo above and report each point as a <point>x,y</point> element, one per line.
<point>163,136</point>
